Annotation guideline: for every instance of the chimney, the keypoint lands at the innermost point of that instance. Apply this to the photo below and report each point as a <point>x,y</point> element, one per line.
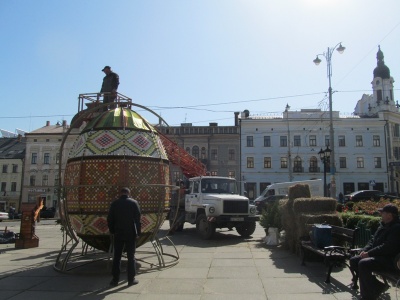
<point>19,138</point>
<point>236,118</point>
<point>64,123</point>
<point>47,123</point>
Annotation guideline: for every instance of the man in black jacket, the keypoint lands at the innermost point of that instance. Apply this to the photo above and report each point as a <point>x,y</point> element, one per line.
<point>124,224</point>
<point>378,254</point>
<point>109,86</point>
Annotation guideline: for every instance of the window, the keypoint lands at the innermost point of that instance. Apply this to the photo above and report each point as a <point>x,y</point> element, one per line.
<point>267,141</point>
<point>57,158</point>
<point>377,162</point>
<point>342,162</point>
<point>47,140</point>
<point>313,165</point>
<point>250,162</point>
<point>32,180</point>
<point>313,140</point>
<point>297,141</point>
<point>298,165</point>
<point>360,162</point>
<point>214,154</point>
<point>46,158</point>
<point>249,141</point>
<point>203,153</point>
<point>396,130</point>
<point>359,141</point>
<point>231,154</point>
<point>45,180</point>
<point>3,186</point>
<point>15,169</point>
<point>13,186</point>
<point>327,140</point>
<point>5,167</point>
<point>283,141</point>
<point>34,158</point>
<point>195,151</point>
<point>176,176</point>
<point>342,141</point>
<point>379,95</point>
<point>267,162</point>
<point>214,173</point>
<point>376,141</point>
<point>396,151</point>
<point>284,162</point>
<point>231,174</point>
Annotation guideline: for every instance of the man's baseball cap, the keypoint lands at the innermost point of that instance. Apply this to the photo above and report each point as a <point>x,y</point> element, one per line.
<point>106,67</point>
<point>389,208</point>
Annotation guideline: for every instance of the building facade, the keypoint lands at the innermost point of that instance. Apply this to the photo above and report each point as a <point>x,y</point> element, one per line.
<point>42,163</point>
<point>217,147</point>
<point>12,154</point>
<point>286,148</point>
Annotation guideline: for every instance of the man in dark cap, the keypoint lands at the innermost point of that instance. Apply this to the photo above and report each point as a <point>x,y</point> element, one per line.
<point>378,254</point>
<point>109,86</point>
<point>124,225</point>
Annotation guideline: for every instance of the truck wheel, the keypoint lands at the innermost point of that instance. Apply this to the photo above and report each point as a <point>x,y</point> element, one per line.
<point>246,229</point>
<point>204,228</point>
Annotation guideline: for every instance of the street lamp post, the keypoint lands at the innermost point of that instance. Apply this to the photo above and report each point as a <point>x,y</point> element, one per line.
<point>325,158</point>
<point>289,152</point>
<point>317,61</point>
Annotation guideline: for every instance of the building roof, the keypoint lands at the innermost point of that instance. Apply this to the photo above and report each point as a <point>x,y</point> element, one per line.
<point>13,148</point>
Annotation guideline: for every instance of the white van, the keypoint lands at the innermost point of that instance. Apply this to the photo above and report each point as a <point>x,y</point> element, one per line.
<point>316,188</point>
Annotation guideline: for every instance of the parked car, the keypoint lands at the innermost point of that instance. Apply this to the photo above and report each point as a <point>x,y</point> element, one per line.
<point>261,203</point>
<point>3,216</point>
<point>363,195</point>
<point>48,213</point>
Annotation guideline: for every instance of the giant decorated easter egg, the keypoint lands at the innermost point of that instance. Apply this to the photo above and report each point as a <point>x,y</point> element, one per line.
<point>116,149</point>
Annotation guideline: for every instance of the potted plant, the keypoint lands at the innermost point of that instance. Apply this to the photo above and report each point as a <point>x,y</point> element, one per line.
<point>271,221</point>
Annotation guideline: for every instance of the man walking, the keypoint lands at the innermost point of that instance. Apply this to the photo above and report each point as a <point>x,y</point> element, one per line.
<point>124,225</point>
<point>109,86</point>
<point>378,254</point>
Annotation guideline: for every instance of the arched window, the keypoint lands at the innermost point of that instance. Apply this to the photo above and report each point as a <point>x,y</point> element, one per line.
<point>195,151</point>
<point>313,164</point>
<point>298,167</point>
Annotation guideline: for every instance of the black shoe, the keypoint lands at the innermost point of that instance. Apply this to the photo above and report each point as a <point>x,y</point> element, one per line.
<point>113,282</point>
<point>135,281</point>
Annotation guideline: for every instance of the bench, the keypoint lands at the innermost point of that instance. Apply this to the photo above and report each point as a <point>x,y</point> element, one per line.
<point>343,239</point>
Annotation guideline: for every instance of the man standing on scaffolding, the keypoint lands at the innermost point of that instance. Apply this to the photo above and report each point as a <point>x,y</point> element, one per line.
<point>109,87</point>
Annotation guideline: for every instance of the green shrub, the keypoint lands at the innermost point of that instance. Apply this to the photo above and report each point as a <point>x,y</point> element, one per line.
<point>351,219</point>
<point>271,216</point>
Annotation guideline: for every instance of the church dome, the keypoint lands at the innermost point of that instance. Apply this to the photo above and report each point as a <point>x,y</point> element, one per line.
<point>381,70</point>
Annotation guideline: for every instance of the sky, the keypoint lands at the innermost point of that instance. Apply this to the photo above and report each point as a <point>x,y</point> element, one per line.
<point>191,61</point>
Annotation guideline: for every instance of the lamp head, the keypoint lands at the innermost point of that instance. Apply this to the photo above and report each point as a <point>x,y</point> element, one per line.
<point>317,61</point>
<point>340,49</point>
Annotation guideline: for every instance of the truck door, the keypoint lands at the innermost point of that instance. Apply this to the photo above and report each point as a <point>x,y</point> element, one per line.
<point>193,198</point>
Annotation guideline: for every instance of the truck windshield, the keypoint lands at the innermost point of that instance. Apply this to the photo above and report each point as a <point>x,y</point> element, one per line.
<point>218,186</point>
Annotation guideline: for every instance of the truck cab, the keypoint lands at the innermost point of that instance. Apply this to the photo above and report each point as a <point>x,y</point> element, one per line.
<point>213,202</point>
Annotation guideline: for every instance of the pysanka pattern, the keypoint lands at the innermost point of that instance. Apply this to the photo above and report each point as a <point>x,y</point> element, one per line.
<point>119,142</point>
<point>116,149</point>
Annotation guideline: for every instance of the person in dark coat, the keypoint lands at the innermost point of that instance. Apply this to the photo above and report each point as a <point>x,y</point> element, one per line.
<point>109,86</point>
<point>124,225</point>
<point>379,254</point>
